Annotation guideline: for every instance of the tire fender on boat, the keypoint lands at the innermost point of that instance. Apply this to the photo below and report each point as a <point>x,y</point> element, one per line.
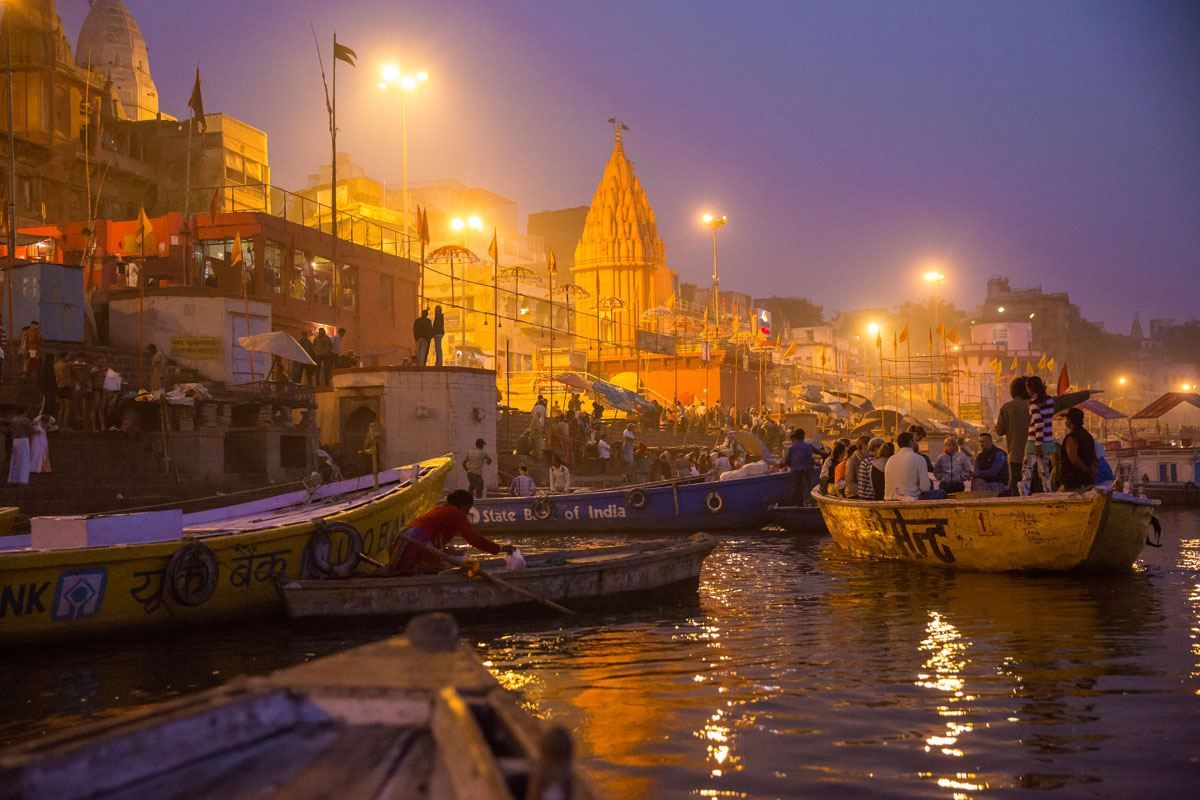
<point>320,549</point>
<point>192,574</point>
<point>713,502</point>
<point>543,508</point>
<point>636,498</point>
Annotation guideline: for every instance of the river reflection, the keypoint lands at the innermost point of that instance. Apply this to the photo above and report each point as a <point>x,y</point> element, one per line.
<point>797,672</point>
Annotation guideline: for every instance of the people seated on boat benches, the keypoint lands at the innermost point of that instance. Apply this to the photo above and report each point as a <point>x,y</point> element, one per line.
<point>1078,464</point>
<point>991,467</point>
<point>906,476</point>
<point>953,468</point>
<point>437,528</point>
<point>858,453</point>
<point>1013,423</point>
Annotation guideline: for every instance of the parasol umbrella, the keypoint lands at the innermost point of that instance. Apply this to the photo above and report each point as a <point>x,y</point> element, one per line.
<point>751,444</point>
<point>448,254</point>
<point>277,343</point>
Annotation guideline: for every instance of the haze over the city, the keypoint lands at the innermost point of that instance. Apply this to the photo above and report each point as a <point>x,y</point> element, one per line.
<point>850,144</point>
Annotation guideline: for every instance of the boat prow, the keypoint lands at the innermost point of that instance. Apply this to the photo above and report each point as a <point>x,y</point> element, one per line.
<point>1054,532</point>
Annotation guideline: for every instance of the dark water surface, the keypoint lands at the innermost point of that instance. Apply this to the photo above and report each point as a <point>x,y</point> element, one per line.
<point>799,672</point>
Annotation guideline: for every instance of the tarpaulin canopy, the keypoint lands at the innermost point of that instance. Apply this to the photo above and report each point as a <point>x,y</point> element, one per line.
<point>574,381</point>
<point>751,444</point>
<point>277,343</point>
<point>620,398</point>
<point>1100,410</point>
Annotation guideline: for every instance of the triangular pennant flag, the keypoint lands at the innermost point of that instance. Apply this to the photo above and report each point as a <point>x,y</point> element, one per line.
<point>904,333</point>
<point>941,330</point>
<point>1042,362</point>
<point>1050,365</point>
<point>493,249</point>
<point>1064,380</point>
<point>552,264</point>
<point>879,342</point>
<point>196,104</point>
<point>145,230</point>
<point>343,53</point>
<point>952,336</point>
<point>423,225</point>
<point>931,341</point>
<point>791,350</point>
<point>1028,367</point>
<point>235,255</point>
<point>1013,366</point>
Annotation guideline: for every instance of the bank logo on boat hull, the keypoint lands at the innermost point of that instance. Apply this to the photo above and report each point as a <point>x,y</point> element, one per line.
<point>79,594</point>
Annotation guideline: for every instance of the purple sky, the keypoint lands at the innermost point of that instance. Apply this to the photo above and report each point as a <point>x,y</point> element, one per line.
<point>849,143</point>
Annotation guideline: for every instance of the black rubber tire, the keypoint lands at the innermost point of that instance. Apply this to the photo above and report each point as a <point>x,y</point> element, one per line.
<point>320,548</point>
<point>543,509</point>
<point>192,574</point>
<point>636,498</point>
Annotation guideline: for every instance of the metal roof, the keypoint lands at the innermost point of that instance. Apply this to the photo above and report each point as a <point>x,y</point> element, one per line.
<point>1167,402</point>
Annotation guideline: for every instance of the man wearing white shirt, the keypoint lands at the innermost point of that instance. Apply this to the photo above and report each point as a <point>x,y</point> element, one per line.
<point>907,474</point>
<point>560,476</point>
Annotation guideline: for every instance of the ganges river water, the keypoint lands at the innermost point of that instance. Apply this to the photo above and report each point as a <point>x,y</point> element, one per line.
<point>797,672</point>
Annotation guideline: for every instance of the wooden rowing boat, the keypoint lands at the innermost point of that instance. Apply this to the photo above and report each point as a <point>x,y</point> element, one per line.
<point>416,717</point>
<point>184,569</point>
<point>683,506</point>
<point>577,578</point>
<point>1055,532</point>
<point>798,519</point>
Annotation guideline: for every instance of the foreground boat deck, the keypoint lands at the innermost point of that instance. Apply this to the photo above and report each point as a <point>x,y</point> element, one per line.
<point>417,716</point>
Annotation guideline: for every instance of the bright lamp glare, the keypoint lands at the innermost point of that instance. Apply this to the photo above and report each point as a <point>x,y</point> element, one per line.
<point>390,72</point>
<point>474,223</point>
<point>457,224</point>
<point>873,328</point>
<point>708,218</point>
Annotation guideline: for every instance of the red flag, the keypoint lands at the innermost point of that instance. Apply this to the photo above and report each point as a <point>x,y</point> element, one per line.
<point>1064,380</point>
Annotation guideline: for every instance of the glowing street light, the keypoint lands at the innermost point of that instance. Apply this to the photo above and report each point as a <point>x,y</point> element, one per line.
<point>934,277</point>
<point>1187,387</point>
<point>1122,380</point>
<point>459,224</point>
<point>715,222</point>
<point>394,79</point>
<point>873,328</point>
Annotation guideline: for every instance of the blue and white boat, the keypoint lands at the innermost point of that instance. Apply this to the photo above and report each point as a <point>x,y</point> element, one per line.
<point>685,506</point>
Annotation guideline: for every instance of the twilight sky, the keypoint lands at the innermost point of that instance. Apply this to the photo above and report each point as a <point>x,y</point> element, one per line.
<point>850,143</point>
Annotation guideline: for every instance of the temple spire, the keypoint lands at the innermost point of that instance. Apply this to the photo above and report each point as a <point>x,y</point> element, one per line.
<point>618,126</point>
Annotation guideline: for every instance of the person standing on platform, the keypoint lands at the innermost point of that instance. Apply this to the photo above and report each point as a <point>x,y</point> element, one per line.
<point>335,342</point>
<point>22,440</point>
<point>628,443</point>
<point>64,388</point>
<point>439,332</point>
<point>560,476</point>
<point>323,348</point>
<point>422,335</point>
<point>474,463</point>
<point>158,368</point>
<point>537,428</point>
<point>603,453</point>
<point>304,372</point>
<point>33,349</point>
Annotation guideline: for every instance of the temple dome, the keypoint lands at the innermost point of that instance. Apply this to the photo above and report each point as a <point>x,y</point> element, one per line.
<point>111,40</point>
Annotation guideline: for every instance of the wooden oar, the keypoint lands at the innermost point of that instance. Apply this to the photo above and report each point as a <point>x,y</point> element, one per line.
<point>458,562</point>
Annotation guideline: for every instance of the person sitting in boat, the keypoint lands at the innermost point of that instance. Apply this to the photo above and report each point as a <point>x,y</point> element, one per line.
<point>1104,471</point>
<point>854,464</point>
<point>720,464</point>
<point>864,486</point>
<point>1077,463</point>
<point>437,528</point>
<point>991,467</point>
<point>522,485</point>
<point>906,476</point>
<point>560,476</point>
<point>919,435</point>
<point>953,468</point>
<point>879,468</point>
<point>829,467</point>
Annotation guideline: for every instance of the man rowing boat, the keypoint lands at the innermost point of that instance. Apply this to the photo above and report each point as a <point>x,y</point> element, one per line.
<point>437,528</point>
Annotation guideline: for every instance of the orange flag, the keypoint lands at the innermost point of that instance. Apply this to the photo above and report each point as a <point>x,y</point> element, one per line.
<point>904,333</point>
<point>1064,380</point>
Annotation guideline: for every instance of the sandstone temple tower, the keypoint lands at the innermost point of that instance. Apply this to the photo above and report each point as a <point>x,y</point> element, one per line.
<point>619,255</point>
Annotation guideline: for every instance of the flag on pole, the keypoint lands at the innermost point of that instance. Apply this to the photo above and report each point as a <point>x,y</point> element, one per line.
<point>196,104</point>
<point>791,349</point>
<point>493,250</point>
<point>931,341</point>
<point>895,343</point>
<point>879,342</point>
<point>941,331</point>
<point>822,358</point>
<point>145,231</point>
<point>952,336</point>
<point>1042,362</point>
<point>1013,366</point>
<point>1064,380</point>
<point>423,225</point>
<point>1050,365</point>
<point>343,53</point>
<point>1028,367</point>
<point>552,264</point>
<point>236,257</point>
<point>904,333</point>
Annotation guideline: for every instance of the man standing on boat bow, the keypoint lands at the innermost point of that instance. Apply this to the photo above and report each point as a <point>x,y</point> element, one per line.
<point>437,528</point>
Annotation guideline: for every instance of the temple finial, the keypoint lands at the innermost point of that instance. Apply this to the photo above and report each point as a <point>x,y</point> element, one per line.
<point>618,126</point>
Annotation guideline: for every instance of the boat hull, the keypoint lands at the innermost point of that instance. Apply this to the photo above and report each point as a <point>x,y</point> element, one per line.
<point>63,595</point>
<point>678,507</point>
<point>1042,533</point>
<point>585,579</point>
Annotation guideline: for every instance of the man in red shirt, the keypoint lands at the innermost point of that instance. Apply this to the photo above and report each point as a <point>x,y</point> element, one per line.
<point>437,528</point>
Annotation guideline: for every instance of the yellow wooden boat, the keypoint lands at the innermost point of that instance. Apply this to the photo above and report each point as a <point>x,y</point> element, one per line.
<point>8,515</point>
<point>1055,532</point>
<point>215,565</point>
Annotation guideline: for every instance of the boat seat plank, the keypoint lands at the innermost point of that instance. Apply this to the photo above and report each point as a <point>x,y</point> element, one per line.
<point>359,765</point>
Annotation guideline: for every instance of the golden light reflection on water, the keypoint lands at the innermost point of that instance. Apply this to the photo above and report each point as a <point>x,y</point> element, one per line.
<point>946,659</point>
<point>1189,559</point>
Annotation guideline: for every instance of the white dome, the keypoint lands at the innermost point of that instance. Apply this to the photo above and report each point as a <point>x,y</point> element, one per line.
<point>112,41</point>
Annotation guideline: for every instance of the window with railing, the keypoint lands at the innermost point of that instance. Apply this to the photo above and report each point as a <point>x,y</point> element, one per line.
<point>322,281</point>
<point>274,254</point>
<point>348,287</point>
<point>300,271</point>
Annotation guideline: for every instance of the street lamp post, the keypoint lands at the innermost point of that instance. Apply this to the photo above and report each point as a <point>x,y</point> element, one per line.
<point>935,279</point>
<point>395,79</point>
<point>715,223</point>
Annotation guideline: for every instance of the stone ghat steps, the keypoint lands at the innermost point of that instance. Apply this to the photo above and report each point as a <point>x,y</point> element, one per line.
<point>100,456</point>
